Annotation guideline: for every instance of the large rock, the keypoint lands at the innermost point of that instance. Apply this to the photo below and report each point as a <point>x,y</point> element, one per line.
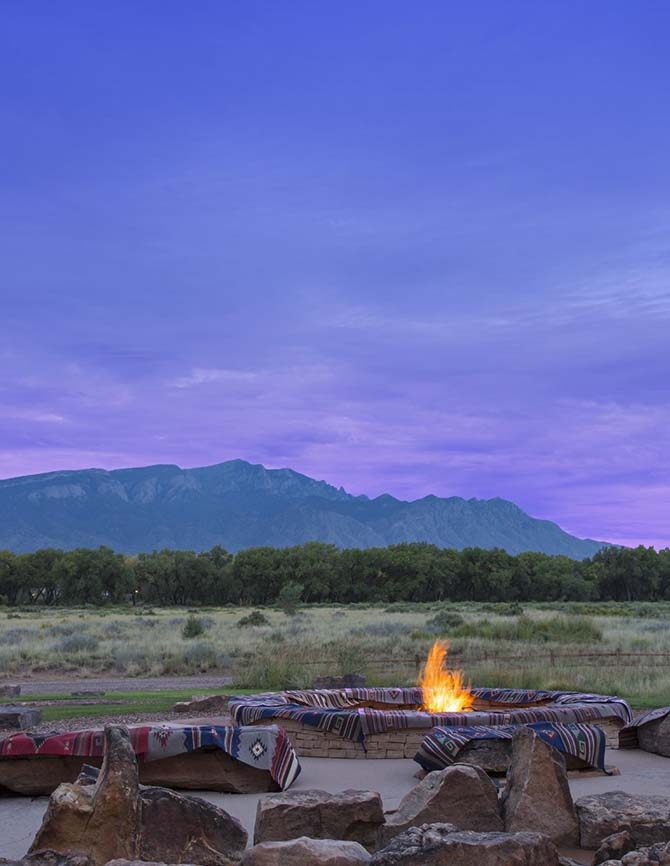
<point>537,796</point>
<point>306,852</point>
<point>140,863</point>
<point>646,817</point>
<point>354,816</point>
<point>180,829</point>
<point>444,845</point>
<point>88,817</point>
<point>654,855</point>
<point>655,736</point>
<point>10,691</point>
<point>19,718</point>
<point>206,704</point>
<point>614,847</point>
<point>461,795</point>
<point>114,818</point>
<point>51,858</point>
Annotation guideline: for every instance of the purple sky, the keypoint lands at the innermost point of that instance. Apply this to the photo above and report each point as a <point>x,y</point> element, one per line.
<point>407,248</point>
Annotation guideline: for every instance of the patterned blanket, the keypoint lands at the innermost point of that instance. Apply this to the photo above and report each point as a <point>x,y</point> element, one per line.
<point>628,735</point>
<point>441,747</point>
<point>265,748</point>
<point>339,710</point>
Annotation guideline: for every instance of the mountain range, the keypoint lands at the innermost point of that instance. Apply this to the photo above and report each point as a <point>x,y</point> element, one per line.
<point>238,504</point>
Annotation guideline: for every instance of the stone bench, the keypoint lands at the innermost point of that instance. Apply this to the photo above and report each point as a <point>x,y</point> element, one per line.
<point>19,718</point>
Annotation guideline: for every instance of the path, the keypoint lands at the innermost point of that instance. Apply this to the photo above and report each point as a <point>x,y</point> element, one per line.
<point>61,686</point>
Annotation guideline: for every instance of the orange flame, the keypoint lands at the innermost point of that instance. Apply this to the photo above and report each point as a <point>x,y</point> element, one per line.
<point>443,690</point>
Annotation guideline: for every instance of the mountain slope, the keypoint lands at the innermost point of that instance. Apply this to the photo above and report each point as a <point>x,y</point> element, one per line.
<point>238,504</point>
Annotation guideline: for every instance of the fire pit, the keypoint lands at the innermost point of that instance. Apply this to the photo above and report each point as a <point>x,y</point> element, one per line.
<point>392,722</point>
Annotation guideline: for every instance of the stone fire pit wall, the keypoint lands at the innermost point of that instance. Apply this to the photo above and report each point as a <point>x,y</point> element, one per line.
<point>386,723</point>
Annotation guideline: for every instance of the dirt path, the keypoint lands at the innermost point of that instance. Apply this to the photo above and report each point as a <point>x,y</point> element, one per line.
<point>63,686</point>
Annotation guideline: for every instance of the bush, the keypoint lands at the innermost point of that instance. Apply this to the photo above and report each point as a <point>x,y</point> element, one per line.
<point>76,643</point>
<point>289,597</point>
<point>559,629</point>
<point>444,621</point>
<point>255,618</point>
<point>504,608</point>
<point>193,627</point>
<point>201,655</point>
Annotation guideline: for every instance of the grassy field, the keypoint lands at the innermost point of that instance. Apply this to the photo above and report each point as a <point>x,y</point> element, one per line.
<point>534,646</point>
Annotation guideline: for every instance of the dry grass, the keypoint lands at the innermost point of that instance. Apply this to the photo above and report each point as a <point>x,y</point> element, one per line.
<point>381,642</point>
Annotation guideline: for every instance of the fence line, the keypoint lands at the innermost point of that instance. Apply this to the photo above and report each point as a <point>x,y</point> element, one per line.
<point>617,658</point>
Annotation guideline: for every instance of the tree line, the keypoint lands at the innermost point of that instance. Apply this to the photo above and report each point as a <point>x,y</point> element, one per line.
<point>324,573</point>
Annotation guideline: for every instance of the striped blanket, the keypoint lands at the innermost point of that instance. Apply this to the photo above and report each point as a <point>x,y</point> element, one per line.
<point>265,748</point>
<point>340,711</point>
<point>628,735</point>
<point>442,746</point>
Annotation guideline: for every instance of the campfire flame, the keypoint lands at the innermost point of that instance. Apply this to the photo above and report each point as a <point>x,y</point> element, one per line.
<point>443,690</point>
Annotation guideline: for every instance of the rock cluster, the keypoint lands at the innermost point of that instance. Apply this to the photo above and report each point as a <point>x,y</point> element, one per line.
<point>116,818</point>
<point>453,817</point>
<point>645,818</point>
<point>445,845</point>
<point>654,855</point>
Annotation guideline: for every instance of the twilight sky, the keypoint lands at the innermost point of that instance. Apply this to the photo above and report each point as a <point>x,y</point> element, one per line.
<point>405,247</point>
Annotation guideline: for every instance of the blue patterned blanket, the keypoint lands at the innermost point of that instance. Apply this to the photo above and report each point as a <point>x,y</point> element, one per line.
<point>442,746</point>
<point>347,712</point>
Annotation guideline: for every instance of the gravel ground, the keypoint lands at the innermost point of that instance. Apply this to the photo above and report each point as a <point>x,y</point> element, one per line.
<point>65,686</point>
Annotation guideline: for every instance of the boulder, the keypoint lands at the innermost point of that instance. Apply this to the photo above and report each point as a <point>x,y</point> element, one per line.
<point>537,795</point>
<point>614,847</point>
<point>306,852</point>
<point>88,817</point>
<point>444,845</point>
<point>655,736</point>
<point>114,818</point>
<point>207,704</point>
<point>654,855</point>
<point>10,691</point>
<point>140,863</point>
<point>460,795</point>
<point>646,817</point>
<point>51,858</point>
<point>353,816</point>
<point>180,829</point>
<point>19,718</point>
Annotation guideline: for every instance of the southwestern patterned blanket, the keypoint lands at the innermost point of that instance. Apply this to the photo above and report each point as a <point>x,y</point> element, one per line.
<point>265,748</point>
<point>442,746</point>
<point>339,710</point>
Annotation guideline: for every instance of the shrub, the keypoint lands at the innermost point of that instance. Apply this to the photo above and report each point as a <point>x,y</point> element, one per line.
<point>193,627</point>
<point>255,618</point>
<point>76,643</point>
<point>14,636</point>
<point>201,655</point>
<point>444,621</point>
<point>289,597</point>
<point>560,629</point>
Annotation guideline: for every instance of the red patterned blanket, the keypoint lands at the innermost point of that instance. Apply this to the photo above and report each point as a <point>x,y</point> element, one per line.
<point>265,748</point>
